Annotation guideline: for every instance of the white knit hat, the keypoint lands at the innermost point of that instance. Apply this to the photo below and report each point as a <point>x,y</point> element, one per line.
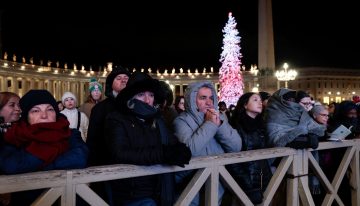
<point>67,95</point>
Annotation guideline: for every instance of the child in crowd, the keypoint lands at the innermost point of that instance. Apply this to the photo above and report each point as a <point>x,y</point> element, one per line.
<point>95,96</point>
<point>78,120</point>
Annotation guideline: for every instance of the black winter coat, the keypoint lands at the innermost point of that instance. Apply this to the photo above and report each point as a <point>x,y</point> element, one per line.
<point>133,141</point>
<point>98,152</point>
<point>253,177</point>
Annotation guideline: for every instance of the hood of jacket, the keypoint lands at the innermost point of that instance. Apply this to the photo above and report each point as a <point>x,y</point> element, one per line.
<point>110,78</point>
<point>190,99</point>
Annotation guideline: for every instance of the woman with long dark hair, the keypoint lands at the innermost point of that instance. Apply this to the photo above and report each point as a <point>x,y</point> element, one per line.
<point>253,177</point>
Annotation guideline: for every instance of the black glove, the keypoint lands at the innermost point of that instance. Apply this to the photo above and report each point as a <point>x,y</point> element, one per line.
<point>304,141</point>
<point>177,154</point>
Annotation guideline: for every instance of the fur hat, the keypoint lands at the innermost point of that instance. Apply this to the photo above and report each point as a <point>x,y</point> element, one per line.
<point>94,84</point>
<point>140,82</point>
<point>110,78</point>
<point>67,95</point>
<point>36,97</point>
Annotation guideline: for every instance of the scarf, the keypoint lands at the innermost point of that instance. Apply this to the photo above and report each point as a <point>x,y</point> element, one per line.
<point>141,109</point>
<point>250,124</point>
<point>44,140</point>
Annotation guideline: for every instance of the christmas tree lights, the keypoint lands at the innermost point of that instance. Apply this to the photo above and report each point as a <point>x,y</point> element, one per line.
<point>230,77</point>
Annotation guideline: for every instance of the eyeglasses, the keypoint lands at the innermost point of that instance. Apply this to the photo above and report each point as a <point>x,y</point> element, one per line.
<point>324,115</point>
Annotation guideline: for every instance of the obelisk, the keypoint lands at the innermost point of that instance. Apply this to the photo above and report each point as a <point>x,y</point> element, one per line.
<point>266,57</point>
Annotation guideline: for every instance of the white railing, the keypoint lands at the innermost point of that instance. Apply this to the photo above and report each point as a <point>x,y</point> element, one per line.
<point>65,184</point>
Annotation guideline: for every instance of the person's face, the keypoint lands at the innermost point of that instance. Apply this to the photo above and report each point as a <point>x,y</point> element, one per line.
<point>181,104</point>
<point>96,94</point>
<point>254,106</point>
<point>119,82</point>
<point>146,97</point>
<point>352,113</point>
<point>222,107</point>
<point>306,103</point>
<point>11,111</point>
<point>69,103</point>
<point>41,113</point>
<point>204,99</point>
<point>331,108</point>
<point>60,106</point>
<point>322,117</point>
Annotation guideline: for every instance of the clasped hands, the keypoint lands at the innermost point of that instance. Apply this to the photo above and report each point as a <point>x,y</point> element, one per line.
<point>213,116</point>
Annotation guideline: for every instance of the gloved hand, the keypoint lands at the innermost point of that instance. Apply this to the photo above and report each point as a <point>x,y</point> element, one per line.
<point>304,141</point>
<point>177,154</point>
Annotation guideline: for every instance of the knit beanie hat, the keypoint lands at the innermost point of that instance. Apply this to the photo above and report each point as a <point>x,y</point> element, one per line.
<point>36,97</point>
<point>94,84</point>
<point>67,95</point>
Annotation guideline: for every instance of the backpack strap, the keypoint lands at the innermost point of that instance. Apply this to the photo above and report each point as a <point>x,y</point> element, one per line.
<point>79,118</point>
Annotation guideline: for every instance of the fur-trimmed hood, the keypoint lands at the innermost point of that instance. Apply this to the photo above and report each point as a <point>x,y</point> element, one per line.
<point>110,78</point>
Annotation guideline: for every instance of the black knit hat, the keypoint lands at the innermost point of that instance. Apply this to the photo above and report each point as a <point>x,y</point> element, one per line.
<point>140,82</point>
<point>110,78</point>
<point>36,97</point>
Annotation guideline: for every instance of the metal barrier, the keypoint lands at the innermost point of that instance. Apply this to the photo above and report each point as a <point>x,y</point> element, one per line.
<point>66,184</point>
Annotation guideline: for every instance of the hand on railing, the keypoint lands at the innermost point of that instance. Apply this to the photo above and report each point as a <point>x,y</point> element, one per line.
<point>178,154</point>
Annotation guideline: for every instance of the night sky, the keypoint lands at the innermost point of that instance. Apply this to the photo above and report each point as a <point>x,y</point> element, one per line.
<point>184,34</point>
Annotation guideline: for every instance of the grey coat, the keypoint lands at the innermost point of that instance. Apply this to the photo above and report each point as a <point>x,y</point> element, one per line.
<point>287,120</point>
<point>204,138</point>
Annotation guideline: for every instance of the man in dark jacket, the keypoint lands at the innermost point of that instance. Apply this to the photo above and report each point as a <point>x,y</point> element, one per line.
<point>98,153</point>
<point>115,82</point>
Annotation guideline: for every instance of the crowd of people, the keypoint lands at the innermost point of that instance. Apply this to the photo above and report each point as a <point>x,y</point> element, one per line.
<point>140,123</point>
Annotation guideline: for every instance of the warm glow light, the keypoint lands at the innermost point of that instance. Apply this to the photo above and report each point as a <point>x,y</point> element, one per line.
<point>286,75</point>
<point>255,89</point>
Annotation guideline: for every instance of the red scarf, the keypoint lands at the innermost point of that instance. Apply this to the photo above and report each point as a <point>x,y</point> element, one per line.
<point>44,140</point>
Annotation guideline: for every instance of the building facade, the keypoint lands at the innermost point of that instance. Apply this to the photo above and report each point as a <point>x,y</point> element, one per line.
<point>323,84</point>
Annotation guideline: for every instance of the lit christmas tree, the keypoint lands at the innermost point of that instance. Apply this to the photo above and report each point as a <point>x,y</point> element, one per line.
<point>230,77</point>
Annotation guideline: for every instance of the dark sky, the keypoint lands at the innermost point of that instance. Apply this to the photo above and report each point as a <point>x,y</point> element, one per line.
<point>184,34</point>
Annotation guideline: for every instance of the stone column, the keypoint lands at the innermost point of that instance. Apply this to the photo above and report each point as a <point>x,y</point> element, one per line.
<point>74,90</point>
<point>82,93</point>
<point>13,89</point>
<point>24,87</point>
<point>4,86</point>
<point>181,90</point>
<point>41,84</point>
<point>32,83</point>
<point>266,57</point>
<point>50,87</point>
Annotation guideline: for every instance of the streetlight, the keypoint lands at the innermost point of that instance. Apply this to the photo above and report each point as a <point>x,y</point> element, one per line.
<point>286,75</point>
